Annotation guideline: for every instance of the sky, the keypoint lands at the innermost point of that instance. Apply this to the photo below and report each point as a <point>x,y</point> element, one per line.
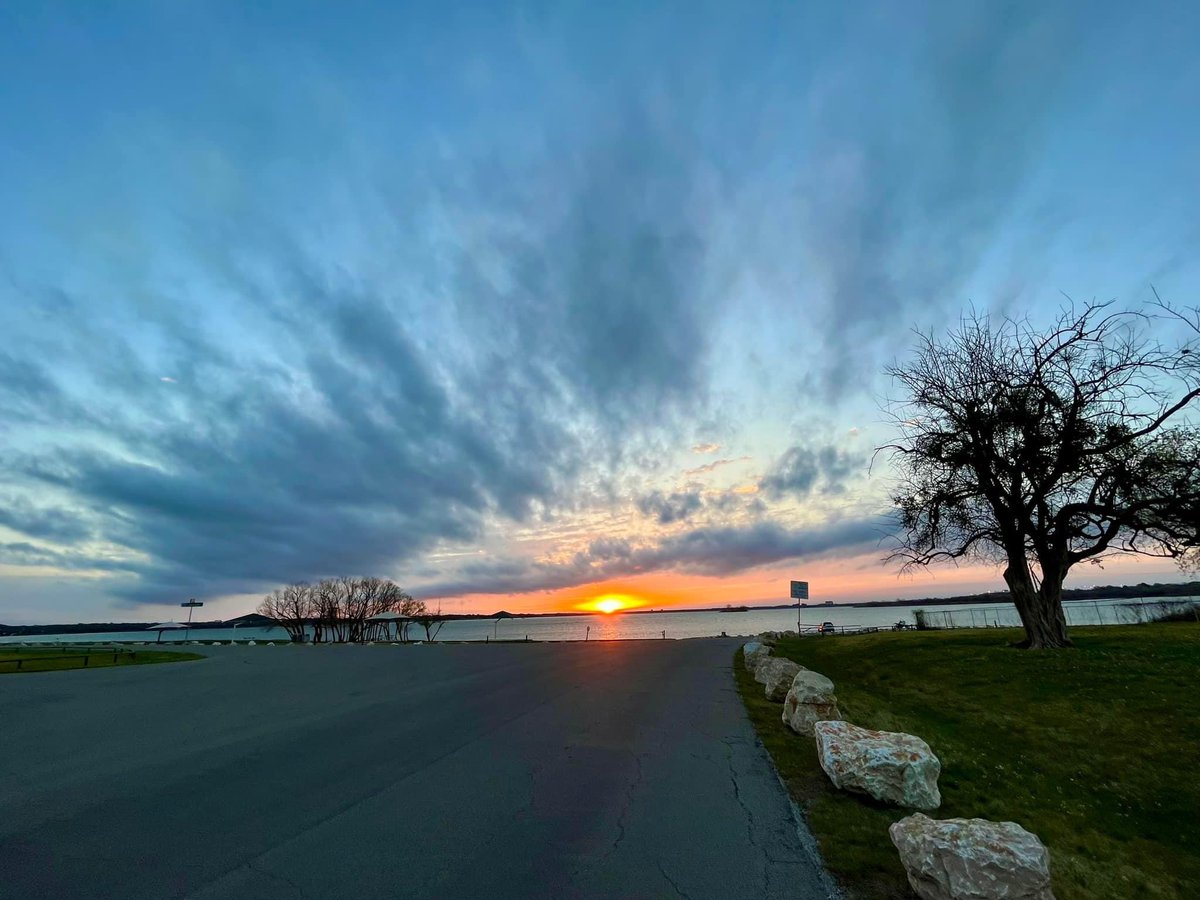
<point>526,304</point>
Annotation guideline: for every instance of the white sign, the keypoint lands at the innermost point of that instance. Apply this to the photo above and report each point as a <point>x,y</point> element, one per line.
<point>799,590</point>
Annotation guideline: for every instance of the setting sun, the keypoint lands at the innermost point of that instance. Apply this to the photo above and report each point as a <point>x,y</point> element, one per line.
<point>611,603</point>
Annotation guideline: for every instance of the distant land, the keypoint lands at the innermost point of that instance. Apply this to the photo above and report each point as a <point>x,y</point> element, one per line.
<point>1102,592</point>
<point>1106,592</point>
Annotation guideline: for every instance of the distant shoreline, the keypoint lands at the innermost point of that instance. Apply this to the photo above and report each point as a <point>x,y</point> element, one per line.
<point>1109,592</point>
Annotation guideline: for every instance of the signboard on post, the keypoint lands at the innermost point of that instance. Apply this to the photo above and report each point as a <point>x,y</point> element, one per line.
<point>190,604</point>
<point>799,592</point>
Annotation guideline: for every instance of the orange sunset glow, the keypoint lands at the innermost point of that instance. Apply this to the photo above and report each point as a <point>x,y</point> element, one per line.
<point>611,603</point>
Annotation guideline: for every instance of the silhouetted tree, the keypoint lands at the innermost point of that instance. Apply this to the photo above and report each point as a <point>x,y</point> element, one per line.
<point>432,622</point>
<point>292,606</point>
<point>1040,449</point>
<point>341,609</point>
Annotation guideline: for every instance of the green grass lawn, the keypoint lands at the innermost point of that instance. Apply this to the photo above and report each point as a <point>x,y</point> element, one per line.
<point>1095,749</point>
<point>52,659</point>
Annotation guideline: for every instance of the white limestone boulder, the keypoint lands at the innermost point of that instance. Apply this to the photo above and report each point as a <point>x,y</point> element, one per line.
<point>803,717</point>
<point>753,653</point>
<point>771,638</point>
<point>809,700</point>
<point>972,859</point>
<point>811,687</point>
<point>889,766</point>
<point>776,674</point>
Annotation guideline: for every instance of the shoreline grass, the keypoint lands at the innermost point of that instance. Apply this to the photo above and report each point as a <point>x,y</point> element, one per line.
<point>60,659</point>
<point>1093,749</point>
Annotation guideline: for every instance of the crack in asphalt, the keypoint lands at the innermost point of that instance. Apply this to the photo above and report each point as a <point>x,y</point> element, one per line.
<point>750,824</point>
<point>295,887</point>
<point>671,881</point>
<point>629,791</point>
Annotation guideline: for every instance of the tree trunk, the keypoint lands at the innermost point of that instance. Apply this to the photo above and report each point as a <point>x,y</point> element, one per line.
<point>1040,608</point>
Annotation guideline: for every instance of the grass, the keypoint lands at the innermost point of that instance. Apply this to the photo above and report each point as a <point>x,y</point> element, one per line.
<point>39,659</point>
<point>1094,749</point>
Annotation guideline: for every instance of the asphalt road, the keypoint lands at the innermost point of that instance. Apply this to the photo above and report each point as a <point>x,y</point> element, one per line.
<point>615,769</point>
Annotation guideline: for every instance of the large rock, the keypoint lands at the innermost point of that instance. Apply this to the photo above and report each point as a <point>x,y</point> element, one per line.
<point>753,653</point>
<point>803,717</point>
<point>811,687</point>
<point>771,638</point>
<point>809,700</point>
<point>887,765</point>
<point>776,674</point>
<point>972,859</point>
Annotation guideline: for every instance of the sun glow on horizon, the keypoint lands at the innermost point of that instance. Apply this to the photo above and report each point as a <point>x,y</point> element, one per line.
<point>610,603</point>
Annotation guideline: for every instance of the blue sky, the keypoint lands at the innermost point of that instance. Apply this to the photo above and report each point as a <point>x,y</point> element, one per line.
<point>508,300</point>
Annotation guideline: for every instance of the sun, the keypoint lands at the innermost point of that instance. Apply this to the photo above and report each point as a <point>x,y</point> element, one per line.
<point>610,603</point>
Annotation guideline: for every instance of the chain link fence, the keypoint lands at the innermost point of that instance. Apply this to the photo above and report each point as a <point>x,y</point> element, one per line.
<point>1078,612</point>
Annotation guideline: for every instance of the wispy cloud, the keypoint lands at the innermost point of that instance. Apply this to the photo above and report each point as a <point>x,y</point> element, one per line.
<point>714,465</point>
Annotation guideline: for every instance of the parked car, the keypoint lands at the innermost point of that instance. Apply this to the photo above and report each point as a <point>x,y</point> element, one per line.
<point>826,628</point>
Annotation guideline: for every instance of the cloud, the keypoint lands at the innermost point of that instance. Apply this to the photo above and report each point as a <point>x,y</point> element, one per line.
<point>903,201</point>
<point>802,469</point>
<point>714,465</point>
<point>22,553</point>
<point>319,422</point>
<point>706,448</point>
<point>49,523</point>
<point>710,550</point>
<point>669,508</point>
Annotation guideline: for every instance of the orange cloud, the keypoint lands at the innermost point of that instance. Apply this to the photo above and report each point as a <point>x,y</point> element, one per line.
<point>715,464</point>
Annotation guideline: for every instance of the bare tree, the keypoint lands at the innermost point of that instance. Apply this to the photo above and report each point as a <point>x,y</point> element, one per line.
<point>340,609</point>
<point>432,622</point>
<point>291,606</point>
<point>1040,449</point>
<point>326,625</point>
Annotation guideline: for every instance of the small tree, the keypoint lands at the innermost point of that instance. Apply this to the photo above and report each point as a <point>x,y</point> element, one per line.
<point>1040,449</point>
<point>292,606</point>
<point>432,622</point>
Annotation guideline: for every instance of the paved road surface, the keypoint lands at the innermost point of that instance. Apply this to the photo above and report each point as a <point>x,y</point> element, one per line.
<point>616,769</point>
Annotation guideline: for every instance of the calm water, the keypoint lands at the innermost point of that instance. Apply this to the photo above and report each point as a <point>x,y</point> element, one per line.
<point>686,625</point>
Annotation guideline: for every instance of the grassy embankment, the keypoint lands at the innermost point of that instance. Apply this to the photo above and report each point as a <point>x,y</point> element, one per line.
<point>1094,749</point>
<point>52,659</point>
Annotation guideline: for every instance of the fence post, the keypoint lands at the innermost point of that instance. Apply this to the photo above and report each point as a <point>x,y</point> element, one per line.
<point>85,660</point>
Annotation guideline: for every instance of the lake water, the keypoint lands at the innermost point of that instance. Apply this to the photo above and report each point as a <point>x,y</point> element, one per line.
<point>673,626</point>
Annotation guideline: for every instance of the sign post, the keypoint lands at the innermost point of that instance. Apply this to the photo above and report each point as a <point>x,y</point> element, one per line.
<point>799,592</point>
<point>191,604</point>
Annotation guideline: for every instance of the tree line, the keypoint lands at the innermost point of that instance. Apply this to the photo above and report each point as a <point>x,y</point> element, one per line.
<point>338,610</point>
